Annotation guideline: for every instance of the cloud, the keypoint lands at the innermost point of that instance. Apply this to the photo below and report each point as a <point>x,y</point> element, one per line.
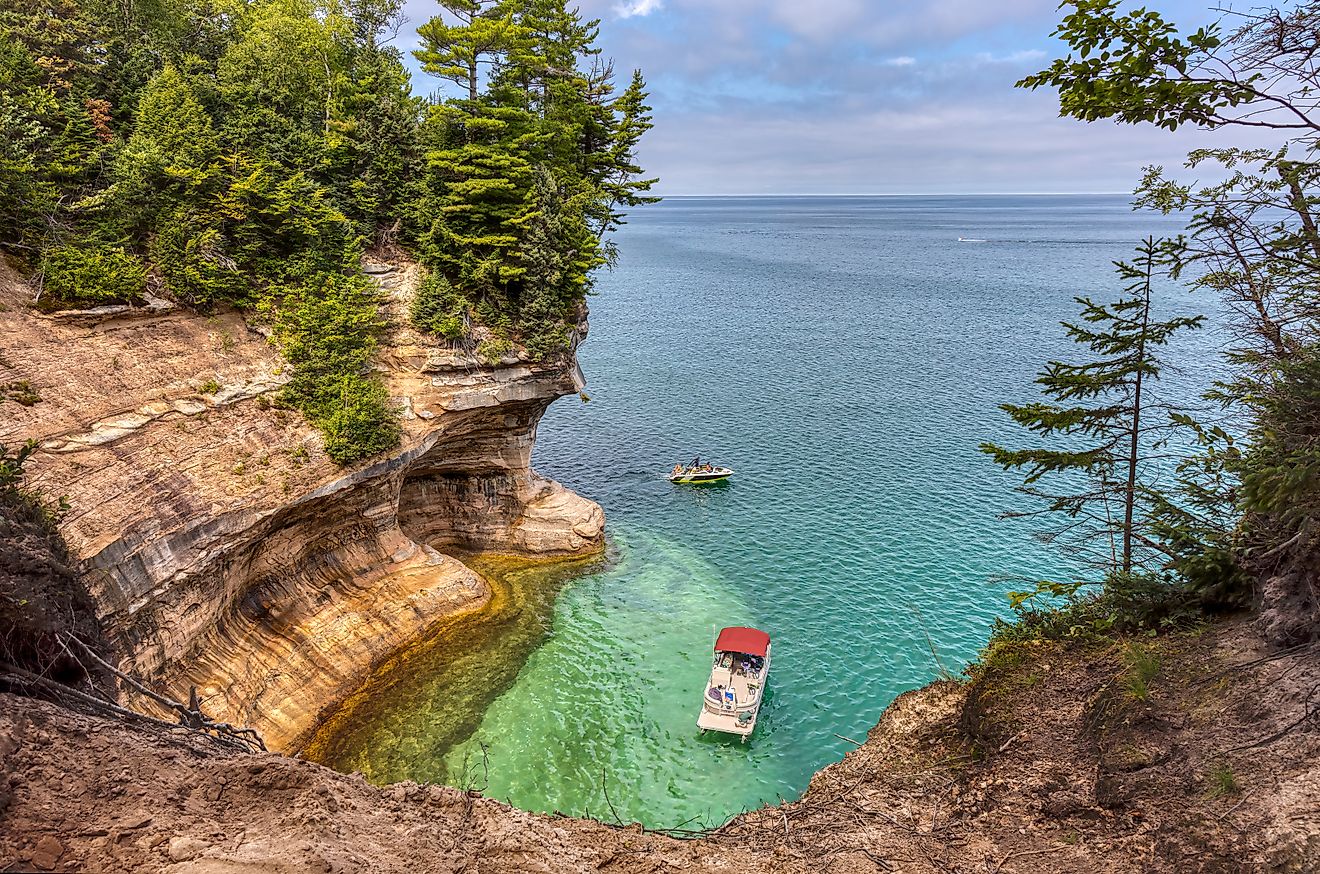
<point>637,8</point>
<point>757,96</point>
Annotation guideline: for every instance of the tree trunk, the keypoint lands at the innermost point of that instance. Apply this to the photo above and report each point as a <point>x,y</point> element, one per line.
<point>1299,206</point>
<point>1130,496</point>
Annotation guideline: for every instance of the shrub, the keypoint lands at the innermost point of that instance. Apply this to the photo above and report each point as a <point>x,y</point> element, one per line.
<point>362,422</point>
<point>439,309</point>
<point>327,328</point>
<point>92,276</point>
<point>20,392</point>
<point>190,258</point>
<point>1222,782</point>
<point>16,498</point>
<point>1142,666</point>
<point>492,350</point>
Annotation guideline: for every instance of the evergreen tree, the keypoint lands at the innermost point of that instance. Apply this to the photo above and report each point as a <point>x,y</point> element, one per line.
<point>173,138</point>
<point>245,154</point>
<point>1103,415</point>
<point>1253,242</point>
<point>528,164</point>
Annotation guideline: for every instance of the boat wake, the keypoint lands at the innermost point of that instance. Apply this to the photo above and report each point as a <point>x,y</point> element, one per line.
<point>971,240</point>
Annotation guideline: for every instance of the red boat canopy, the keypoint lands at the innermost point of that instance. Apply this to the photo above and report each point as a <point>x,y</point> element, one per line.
<point>749,641</point>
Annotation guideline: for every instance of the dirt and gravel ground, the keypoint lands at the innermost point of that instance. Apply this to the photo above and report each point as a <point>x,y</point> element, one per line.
<point>1187,753</point>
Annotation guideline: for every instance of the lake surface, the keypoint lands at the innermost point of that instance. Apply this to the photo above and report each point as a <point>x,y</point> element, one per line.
<point>846,357</point>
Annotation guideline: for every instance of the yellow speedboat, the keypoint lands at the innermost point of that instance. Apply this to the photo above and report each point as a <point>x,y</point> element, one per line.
<point>698,472</point>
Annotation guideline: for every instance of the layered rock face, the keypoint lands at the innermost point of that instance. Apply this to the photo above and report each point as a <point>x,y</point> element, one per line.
<point>223,548</point>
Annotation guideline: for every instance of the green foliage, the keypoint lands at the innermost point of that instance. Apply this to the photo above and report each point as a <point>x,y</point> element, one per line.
<point>20,392</point>
<point>529,163</point>
<point>1282,469</point>
<point>494,349</point>
<point>327,329</point>
<point>75,276</point>
<point>439,310</point>
<point>11,463</point>
<point>1101,416</point>
<point>173,137</point>
<point>359,419</point>
<point>1134,67</point>
<point>245,154</point>
<point>1253,241</point>
<point>189,253</point>
<point>15,495</point>
<point>1142,665</point>
<point>1221,782</point>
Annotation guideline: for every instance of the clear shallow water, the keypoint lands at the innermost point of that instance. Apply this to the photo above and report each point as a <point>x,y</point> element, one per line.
<point>845,356</point>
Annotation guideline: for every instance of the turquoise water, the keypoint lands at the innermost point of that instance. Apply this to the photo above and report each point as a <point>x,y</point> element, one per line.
<point>845,356</point>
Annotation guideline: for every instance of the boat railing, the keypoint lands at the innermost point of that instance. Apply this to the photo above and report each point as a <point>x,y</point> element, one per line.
<point>725,706</point>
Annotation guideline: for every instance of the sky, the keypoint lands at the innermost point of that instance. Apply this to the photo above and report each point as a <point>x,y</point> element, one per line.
<point>863,97</point>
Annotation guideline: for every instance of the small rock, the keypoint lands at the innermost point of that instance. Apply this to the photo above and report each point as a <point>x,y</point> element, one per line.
<point>183,848</point>
<point>46,854</point>
<point>135,821</point>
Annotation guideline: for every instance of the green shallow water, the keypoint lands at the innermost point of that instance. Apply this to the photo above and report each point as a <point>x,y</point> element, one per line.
<point>845,356</point>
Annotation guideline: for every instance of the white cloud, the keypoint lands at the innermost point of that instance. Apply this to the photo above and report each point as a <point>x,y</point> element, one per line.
<point>1012,58</point>
<point>638,8</point>
<point>901,61</point>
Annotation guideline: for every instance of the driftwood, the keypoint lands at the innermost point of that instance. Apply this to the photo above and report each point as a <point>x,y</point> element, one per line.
<point>189,715</point>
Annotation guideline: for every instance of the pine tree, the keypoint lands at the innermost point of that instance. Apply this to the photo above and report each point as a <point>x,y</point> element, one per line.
<point>1103,415</point>
<point>174,141</point>
<point>528,164</point>
<point>484,34</point>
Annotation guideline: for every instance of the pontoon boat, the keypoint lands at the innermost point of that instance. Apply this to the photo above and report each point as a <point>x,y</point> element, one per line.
<point>737,682</point>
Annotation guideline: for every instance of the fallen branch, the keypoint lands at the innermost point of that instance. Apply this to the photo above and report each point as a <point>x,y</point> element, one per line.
<point>1299,649</point>
<point>850,740</point>
<point>190,715</point>
<point>603,788</point>
<point>1012,740</point>
<point>1309,714</point>
<point>18,675</point>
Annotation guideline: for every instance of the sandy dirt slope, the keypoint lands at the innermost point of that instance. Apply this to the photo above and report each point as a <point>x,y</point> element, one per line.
<point>1046,762</point>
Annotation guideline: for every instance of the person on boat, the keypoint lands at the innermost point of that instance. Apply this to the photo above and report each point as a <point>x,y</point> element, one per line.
<point>678,470</point>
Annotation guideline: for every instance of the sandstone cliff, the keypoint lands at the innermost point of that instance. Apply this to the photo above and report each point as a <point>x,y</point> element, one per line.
<point>222,548</point>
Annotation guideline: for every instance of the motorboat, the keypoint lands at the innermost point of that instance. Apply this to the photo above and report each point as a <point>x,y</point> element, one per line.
<point>737,682</point>
<point>697,471</point>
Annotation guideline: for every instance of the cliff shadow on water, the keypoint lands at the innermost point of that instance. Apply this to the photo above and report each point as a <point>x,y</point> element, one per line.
<point>430,697</point>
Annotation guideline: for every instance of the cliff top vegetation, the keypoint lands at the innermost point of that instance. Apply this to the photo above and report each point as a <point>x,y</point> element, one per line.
<point>245,154</point>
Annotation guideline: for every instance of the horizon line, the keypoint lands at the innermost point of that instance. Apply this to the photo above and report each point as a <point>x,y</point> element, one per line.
<point>905,194</point>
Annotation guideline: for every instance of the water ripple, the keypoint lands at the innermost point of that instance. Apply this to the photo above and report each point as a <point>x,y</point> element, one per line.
<point>846,357</point>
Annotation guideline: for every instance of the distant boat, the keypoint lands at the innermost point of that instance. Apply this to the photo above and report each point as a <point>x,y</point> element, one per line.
<point>737,682</point>
<point>697,472</point>
<point>971,240</point>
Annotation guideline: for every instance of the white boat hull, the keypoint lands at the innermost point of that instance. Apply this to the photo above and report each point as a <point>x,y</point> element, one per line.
<point>724,717</point>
